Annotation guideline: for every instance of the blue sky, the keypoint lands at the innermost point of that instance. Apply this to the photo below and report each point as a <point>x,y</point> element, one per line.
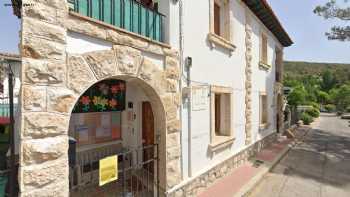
<point>306,29</point>
<point>10,26</point>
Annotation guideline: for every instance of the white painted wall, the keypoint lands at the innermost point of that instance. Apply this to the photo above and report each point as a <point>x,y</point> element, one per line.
<point>79,43</point>
<point>217,67</point>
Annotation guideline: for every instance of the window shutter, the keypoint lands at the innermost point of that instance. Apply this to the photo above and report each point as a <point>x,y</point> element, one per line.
<point>217,114</point>
<point>216,19</point>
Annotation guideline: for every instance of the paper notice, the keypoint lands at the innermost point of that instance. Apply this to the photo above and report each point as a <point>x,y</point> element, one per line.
<point>108,170</point>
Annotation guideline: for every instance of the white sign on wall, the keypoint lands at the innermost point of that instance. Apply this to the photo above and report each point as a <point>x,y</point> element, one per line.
<point>199,98</point>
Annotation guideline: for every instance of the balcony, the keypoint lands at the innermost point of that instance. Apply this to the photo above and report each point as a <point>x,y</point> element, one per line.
<point>126,14</point>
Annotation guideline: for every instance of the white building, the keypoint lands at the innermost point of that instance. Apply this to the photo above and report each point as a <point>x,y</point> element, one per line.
<point>202,80</point>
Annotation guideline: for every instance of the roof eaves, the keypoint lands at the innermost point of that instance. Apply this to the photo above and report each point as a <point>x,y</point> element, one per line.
<point>267,16</point>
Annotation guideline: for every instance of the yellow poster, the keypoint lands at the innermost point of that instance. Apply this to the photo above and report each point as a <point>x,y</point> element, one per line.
<point>108,170</point>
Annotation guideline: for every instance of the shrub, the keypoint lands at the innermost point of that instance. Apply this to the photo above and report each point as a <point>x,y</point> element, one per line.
<point>313,112</point>
<point>330,107</point>
<point>314,105</point>
<point>306,118</point>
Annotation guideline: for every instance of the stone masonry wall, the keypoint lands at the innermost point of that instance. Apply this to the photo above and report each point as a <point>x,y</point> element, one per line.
<point>53,80</point>
<point>248,80</point>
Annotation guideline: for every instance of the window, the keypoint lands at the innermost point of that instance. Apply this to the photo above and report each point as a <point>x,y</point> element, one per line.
<point>221,18</point>
<point>221,116</point>
<point>220,25</point>
<point>263,111</point>
<point>263,50</point>
<point>279,65</point>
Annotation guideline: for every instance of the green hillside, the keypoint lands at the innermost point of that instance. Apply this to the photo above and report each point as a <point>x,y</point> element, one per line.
<point>298,70</point>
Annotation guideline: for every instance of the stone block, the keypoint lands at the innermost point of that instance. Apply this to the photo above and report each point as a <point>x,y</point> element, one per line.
<point>57,190</point>
<point>41,12</point>
<point>170,52</point>
<point>36,28</point>
<point>171,113</point>
<point>34,98</point>
<point>172,68</point>
<point>60,99</point>
<point>38,48</point>
<point>173,173</point>
<point>102,63</point>
<point>173,153</point>
<point>44,72</point>
<point>154,48</point>
<point>173,126</point>
<point>128,59</point>
<point>80,76</point>
<point>173,140</point>
<point>85,27</point>
<point>172,85</point>
<point>59,4</point>
<point>43,124</point>
<point>37,151</point>
<point>148,70</point>
<point>37,176</point>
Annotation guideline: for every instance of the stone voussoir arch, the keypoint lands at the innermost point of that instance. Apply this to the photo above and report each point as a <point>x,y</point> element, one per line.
<point>159,83</point>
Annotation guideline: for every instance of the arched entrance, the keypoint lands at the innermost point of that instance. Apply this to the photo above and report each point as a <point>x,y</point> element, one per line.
<point>115,118</point>
<point>45,123</point>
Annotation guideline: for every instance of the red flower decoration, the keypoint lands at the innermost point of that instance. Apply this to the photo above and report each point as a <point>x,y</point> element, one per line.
<point>114,89</point>
<point>113,103</point>
<point>85,100</point>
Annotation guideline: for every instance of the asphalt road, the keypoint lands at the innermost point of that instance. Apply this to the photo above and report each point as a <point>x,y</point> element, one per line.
<point>319,166</point>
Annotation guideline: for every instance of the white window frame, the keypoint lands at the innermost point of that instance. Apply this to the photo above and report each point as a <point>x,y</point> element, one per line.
<point>264,64</point>
<point>221,141</point>
<point>263,124</point>
<point>225,39</point>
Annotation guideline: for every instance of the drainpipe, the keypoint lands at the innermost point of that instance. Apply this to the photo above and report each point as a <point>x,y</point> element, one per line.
<point>189,118</point>
<point>185,65</point>
<point>181,51</point>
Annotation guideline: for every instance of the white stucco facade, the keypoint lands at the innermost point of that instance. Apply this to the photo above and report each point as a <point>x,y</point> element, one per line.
<point>216,66</point>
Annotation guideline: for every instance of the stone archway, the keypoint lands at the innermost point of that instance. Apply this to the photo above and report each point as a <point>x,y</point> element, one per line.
<point>45,119</point>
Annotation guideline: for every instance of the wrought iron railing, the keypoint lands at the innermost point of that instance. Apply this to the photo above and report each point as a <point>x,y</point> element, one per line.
<point>127,14</point>
<point>3,182</point>
<point>5,109</point>
<point>138,173</point>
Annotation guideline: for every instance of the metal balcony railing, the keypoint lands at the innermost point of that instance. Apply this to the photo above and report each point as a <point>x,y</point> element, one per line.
<point>5,110</point>
<point>127,14</point>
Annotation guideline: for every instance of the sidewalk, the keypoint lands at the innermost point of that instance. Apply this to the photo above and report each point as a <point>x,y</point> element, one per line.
<point>245,177</point>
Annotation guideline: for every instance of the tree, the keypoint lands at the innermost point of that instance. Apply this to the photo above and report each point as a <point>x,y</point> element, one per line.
<point>297,96</point>
<point>332,10</point>
<point>328,81</point>
<point>341,97</point>
<point>323,97</point>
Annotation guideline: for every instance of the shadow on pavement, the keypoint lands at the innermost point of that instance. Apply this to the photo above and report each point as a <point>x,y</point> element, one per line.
<point>323,157</point>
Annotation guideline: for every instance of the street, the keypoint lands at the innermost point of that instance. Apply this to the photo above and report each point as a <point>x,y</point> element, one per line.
<point>317,167</point>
